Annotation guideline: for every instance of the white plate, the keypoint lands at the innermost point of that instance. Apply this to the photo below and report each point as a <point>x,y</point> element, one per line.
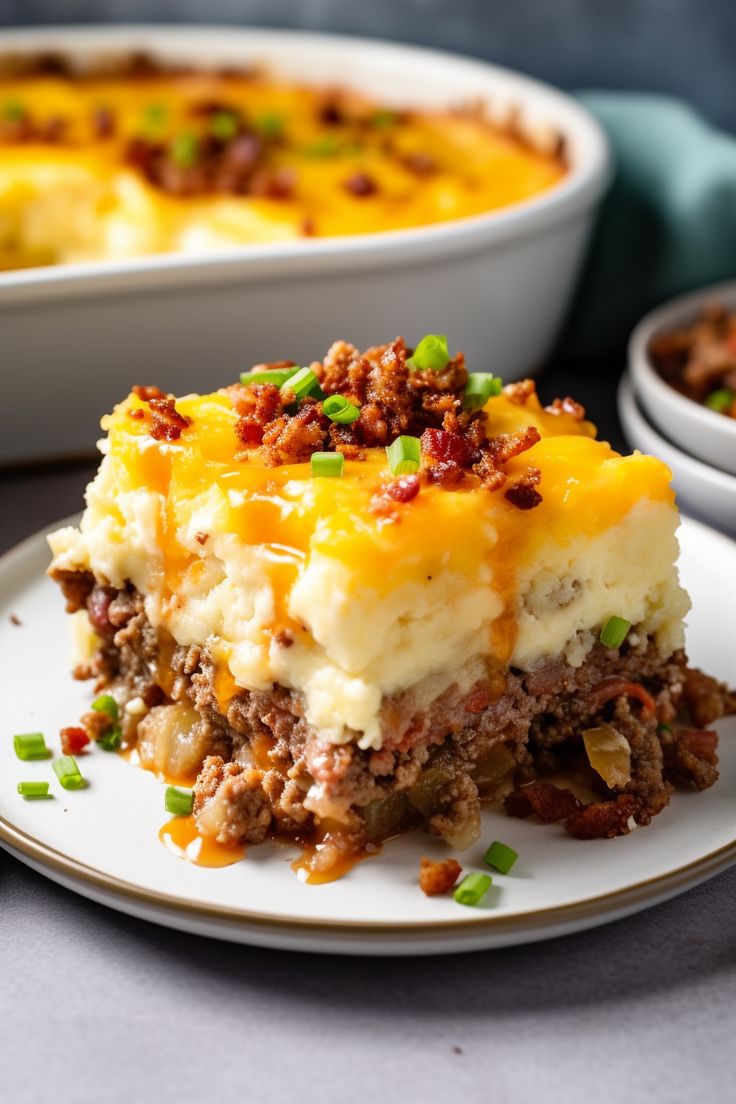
<point>701,489</point>
<point>102,841</point>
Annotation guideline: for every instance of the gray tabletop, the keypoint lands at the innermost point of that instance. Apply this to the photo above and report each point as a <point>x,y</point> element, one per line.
<point>98,1007</point>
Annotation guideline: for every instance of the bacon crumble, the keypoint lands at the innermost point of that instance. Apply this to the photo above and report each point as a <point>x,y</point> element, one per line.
<point>393,399</point>
<point>437,878</point>
<point>167,423</point>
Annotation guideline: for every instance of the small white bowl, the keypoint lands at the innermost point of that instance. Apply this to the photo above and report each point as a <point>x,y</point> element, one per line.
<point>702,491</point>
<point>706,435</point>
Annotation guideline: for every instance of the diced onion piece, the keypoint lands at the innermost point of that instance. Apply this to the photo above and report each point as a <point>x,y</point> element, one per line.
<point>424,793</point>
<point>494,765</point>
<point>465,833</point>
<point>384,816</point>
<point>609,755</point>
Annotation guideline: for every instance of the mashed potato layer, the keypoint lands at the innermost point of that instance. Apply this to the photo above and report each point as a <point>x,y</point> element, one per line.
<point>291,579</point>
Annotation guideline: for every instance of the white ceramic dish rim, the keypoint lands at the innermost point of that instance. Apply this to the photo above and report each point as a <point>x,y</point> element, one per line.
<point>581,187</point>
<point>674,312</point>
<point>663,448</point>
<point>226,922</point>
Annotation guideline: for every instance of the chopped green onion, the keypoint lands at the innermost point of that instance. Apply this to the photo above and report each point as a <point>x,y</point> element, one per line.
<point>33,789</point>
<point>301,383</point>
<point>270,125</point>
<point>664,727</point>
<point>472,888</point>
<point>111,739</point>
<point>178,801</point>
<point>479,388</point>
<point>720,400</point>
<point>276,376</point>
<point>383,118</point>
<point>327,146</point>
<point>223,125</point>
<point>185,150</point>
<point>500,856</point>
<point>328,464</point>
<point>341,410</point>
<point>13,111</point>
<point>106,704</point>
<point>154,117</point>
<point>31,745</point>
<point>68,773</point>
<point>431,353</point>
<point>404,455</point>
<point>614,632</point>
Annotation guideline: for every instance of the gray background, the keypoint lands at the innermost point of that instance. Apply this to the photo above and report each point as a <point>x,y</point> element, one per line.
<point>684,47</point>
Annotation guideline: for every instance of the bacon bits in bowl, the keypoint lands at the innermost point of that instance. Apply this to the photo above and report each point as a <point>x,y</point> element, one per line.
<point>682,362</point>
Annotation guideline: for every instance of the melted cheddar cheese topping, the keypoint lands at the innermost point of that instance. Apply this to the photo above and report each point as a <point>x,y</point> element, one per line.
<point>70,191</point>
<point>292,579</point>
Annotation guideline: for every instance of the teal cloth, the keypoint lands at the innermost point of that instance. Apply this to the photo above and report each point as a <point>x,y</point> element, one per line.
<point>668,224</point>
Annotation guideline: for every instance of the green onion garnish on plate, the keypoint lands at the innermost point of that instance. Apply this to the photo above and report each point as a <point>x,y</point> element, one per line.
<point>30,745</point>
<point>431,353</point>
<point>276,376</point>
<point>33,789</point>
<point>106,704</point>
<point>68,773</point>
<point>111,739</point>
<point>404,455</point>
<point>479,389</point>
<point>720,400</point>
<point>614,632</point>
<point>341,410</point>
<point>472,889</point>
<point>329,464</point>
<point>500,856</point>
<point>178,801</point>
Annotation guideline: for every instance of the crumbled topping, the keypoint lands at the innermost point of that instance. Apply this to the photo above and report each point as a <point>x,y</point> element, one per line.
<point>166,421</point>
<point>394,399</point>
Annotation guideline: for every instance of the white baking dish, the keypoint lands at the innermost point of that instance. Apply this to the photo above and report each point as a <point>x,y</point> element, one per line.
<point>74,338</point>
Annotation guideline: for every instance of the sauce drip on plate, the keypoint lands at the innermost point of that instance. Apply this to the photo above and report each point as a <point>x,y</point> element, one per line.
<point>180,836</point>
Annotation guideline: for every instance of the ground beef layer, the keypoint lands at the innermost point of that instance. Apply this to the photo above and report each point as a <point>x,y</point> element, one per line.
<point>262,770</point>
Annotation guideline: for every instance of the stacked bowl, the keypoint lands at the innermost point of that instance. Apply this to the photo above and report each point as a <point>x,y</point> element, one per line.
<point>697,442</point>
